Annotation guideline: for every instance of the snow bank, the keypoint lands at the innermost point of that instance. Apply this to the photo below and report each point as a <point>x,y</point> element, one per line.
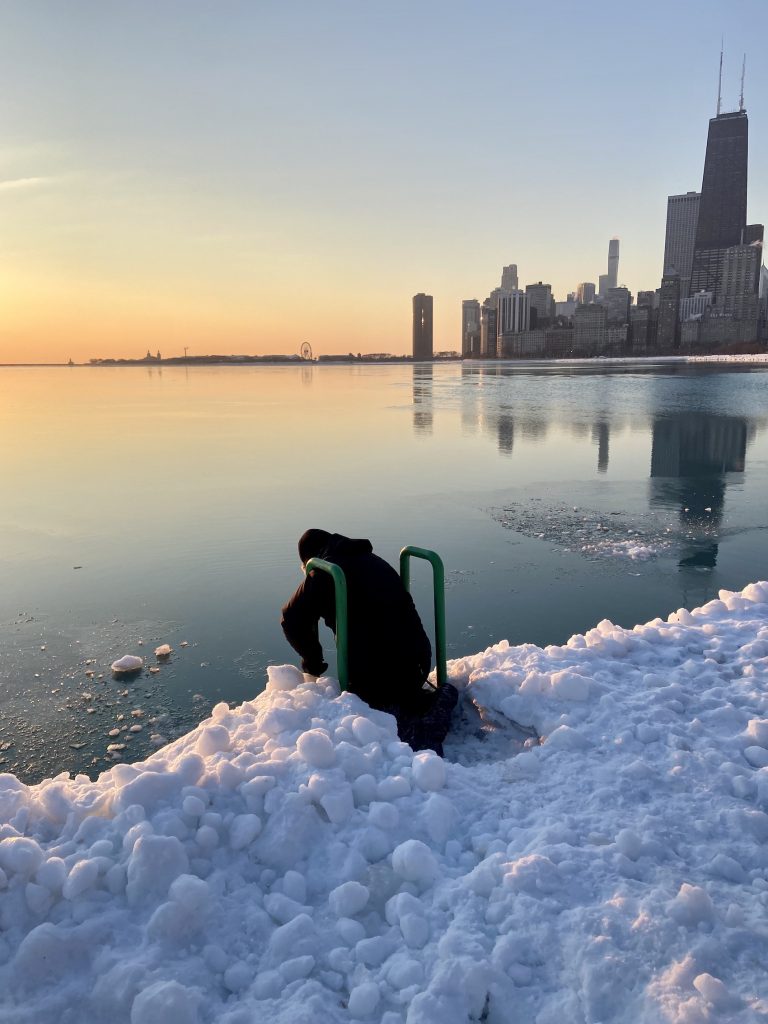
<point>290,860</point>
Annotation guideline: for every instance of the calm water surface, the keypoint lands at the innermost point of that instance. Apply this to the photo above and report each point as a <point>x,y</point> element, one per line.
<point>143,506</point>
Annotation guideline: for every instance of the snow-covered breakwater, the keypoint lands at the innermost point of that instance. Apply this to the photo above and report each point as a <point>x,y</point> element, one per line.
<point>291,861</point>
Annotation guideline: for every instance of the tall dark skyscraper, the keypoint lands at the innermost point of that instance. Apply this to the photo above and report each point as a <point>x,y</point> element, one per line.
<point>723,203</point>
<point>422,327</point>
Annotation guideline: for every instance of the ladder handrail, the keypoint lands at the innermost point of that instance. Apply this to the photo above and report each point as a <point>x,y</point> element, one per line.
<point>342,637</point>
<point>438,588</point>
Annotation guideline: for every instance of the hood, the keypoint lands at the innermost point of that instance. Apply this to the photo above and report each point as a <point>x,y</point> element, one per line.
<point>331,546</point>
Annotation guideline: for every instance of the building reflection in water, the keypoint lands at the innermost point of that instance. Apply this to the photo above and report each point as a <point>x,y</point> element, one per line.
<point>601,434</point>
<point>505,433</point>
<point>691,454</point>
<point>423,380</point>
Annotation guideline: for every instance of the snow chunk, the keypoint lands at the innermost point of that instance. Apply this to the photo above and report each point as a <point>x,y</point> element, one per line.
<point>243,830</point>
<point>348,899</point>
<point>20,856</point>
<point>283,677</point>
<point>757,731</point>
<point>757,756</point>
<point>316,748</point>
<point>81,877</point>
<point>691,906</point>
<point>415,862</point>
<point>363,999</point>
<point>713,990</point>
<point>163,1002</point>
<point>569,686</point>
<point>154,863</point>
<point>212,739</point>
<point>428,771</point>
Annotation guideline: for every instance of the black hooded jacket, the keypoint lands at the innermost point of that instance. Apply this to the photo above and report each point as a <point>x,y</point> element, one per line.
<point>389,654</point>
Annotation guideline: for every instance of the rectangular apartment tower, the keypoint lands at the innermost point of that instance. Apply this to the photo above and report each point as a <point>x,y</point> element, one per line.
<point>422,327</point>
<point>680,238</point>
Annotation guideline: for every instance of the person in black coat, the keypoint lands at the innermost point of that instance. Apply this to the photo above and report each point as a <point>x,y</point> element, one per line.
<point>389,655</point>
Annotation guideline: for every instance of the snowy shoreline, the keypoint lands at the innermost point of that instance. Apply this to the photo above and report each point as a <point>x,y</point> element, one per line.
<point>289,860</point>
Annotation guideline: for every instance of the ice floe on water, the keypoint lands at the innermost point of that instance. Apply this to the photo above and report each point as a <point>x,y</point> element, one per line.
<point>290,860</point>
<point>597,534</point>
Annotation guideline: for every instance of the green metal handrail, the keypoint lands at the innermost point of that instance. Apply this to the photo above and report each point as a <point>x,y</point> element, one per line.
<point>342,636</point>
<point>438,587</point>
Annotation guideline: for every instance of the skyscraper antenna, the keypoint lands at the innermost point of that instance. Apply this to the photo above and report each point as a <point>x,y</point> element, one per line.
<point>743,71</point>
<point>720,79</point>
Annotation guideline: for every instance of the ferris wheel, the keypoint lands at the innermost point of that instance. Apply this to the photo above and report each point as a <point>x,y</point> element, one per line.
<point>306,352</point>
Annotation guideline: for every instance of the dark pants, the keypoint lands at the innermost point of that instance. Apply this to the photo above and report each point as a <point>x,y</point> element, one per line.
<point>427,729</point>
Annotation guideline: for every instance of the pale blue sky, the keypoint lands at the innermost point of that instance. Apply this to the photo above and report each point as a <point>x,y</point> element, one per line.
<point>248,175</point>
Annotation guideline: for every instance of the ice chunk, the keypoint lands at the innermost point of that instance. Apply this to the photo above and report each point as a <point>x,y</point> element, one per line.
<point>163,651</point>
<point>757,731</point>
<point>128,663</point>
<point>338,804</point>
<point>165,1001</point>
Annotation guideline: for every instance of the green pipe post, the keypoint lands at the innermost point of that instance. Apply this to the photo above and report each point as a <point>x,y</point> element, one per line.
<point>342,634</point>
<point>438,587</point>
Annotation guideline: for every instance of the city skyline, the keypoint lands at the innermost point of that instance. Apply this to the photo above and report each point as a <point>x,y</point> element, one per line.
<point>210,195</point>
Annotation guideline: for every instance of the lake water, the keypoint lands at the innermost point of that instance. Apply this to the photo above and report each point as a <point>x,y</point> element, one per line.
<point>143,506</point>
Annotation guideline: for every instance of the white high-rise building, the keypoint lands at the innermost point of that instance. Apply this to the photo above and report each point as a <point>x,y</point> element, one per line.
<point>680,239</point>
<point>514,312</point>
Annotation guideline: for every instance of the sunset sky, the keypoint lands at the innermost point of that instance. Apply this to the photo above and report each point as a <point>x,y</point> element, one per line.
<point>240,176</point>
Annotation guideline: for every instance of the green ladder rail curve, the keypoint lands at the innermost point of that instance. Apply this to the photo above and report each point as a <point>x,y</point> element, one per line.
<point>342,635</point>
<point>340,588</point>
<point>438,588</point>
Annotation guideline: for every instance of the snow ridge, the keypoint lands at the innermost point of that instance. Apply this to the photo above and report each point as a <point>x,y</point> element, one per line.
<point>291,860</point>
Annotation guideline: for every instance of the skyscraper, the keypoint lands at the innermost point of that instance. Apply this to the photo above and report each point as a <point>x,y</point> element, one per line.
<point>509,278</point>
<point>613,263</point>
<point>514,312</point>
<point>680,238</point>
<point>489,319</point>
<point>585,292</point>
<point>470,328</point>
<point>723,203</point>
<point>541,303</point>
<point>422,327</point>
<point>668,334</point>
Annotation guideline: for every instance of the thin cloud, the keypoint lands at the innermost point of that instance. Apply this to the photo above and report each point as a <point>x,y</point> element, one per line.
<point>8,183</point>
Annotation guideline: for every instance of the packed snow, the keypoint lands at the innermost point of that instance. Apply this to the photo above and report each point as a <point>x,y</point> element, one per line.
<point>291,861</point>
